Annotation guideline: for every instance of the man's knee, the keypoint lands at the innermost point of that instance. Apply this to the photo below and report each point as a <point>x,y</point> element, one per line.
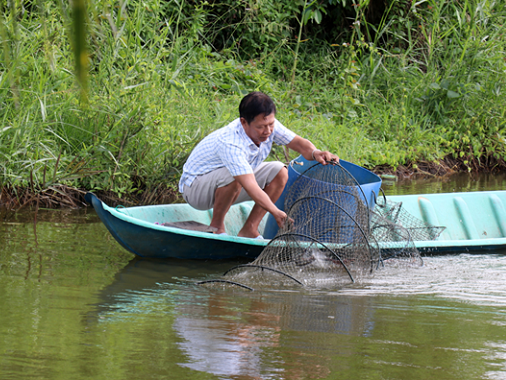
<point>232,188</point>
<point>281,176</point>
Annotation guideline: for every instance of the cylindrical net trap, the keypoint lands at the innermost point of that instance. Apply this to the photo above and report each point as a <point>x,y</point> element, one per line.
<point>333,235</point>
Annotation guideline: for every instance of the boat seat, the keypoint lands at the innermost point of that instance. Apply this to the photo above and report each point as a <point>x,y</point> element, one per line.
<point>190,225</point>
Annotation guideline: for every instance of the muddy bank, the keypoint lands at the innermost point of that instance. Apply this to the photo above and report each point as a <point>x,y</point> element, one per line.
<point>63,196</point>
<point>445,167</point>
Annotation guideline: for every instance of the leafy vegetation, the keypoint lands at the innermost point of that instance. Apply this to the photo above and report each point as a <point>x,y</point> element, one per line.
<point>113,95</point>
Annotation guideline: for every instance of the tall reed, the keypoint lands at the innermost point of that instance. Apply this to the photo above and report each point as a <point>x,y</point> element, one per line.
<point>421,85</point>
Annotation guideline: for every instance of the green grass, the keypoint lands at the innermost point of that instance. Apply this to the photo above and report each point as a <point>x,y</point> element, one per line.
<point>429,85</point>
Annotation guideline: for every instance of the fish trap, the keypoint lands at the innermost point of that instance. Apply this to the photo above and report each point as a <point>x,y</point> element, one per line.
<point>332,237</point>
<point>398,215</point>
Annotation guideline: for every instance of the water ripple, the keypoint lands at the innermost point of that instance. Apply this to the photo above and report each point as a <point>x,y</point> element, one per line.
<point>477,279</point>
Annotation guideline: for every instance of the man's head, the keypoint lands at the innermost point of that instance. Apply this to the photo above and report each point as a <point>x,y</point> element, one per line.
<point>257,113</point>
<point>254,104</point>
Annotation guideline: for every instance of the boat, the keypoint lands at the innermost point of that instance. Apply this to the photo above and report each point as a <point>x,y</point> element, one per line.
<point>141,230</point>
<point>473,221</point>
<point>154,231</point>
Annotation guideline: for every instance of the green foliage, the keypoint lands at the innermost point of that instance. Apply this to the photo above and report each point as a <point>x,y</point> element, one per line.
<point>250,27</point>
<point>408,82</point>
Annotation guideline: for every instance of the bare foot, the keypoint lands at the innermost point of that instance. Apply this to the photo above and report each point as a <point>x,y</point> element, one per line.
<point>218,230</point>
<point>248,234</point>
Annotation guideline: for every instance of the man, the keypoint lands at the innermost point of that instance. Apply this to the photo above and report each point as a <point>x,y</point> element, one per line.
<point>227,166</point>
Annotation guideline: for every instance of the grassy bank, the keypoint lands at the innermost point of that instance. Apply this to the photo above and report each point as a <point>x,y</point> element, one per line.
<point>421,89</point>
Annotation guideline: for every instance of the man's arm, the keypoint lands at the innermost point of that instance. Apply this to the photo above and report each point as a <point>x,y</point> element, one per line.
<point>250,185</point>
<point>309,151</point>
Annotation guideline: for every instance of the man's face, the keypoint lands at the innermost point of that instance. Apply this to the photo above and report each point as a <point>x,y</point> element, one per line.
<point>260,128</point>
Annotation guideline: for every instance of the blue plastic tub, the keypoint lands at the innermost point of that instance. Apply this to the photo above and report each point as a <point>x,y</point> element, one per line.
<point>368,181</point>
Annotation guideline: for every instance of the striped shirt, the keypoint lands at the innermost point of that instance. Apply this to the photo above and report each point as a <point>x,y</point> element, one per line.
<point>231,147</point>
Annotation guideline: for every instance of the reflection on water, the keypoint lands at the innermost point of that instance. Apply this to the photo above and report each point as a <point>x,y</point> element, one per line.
<point>456,183</point>
<point>396,322</point>
<point>269,335</point>
<point>497,357</point>
<point>76,305</point>
<point>475,279</point>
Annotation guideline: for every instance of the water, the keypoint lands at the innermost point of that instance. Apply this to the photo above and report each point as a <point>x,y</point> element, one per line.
<point>461,182</point>
<point>75,305</point>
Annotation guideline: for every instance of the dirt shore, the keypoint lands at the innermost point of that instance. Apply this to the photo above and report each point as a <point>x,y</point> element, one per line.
<point>63,196</point>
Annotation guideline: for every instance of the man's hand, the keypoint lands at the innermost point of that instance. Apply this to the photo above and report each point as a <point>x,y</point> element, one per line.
<point>281,218</point>
<point>309,151</point>
<point>324,157</point>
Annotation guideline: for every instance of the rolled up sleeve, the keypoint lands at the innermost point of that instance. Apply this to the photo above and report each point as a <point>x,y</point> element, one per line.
<point>282,135</point>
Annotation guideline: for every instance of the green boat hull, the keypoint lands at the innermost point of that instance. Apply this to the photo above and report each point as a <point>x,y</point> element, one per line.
<point>474,222</point>
<point>140,231</point>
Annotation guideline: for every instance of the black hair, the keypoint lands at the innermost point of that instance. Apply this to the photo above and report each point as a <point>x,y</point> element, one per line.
<point>254,104</point>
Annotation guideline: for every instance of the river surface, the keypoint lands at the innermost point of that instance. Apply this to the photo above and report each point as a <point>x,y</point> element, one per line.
<point>75,305</point>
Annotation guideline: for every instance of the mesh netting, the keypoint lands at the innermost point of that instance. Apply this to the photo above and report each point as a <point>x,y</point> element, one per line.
<point>333,236</point>
<point>418,229</point>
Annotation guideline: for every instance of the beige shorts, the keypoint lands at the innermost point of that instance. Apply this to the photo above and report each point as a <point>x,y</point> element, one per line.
<point>200,194</point>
